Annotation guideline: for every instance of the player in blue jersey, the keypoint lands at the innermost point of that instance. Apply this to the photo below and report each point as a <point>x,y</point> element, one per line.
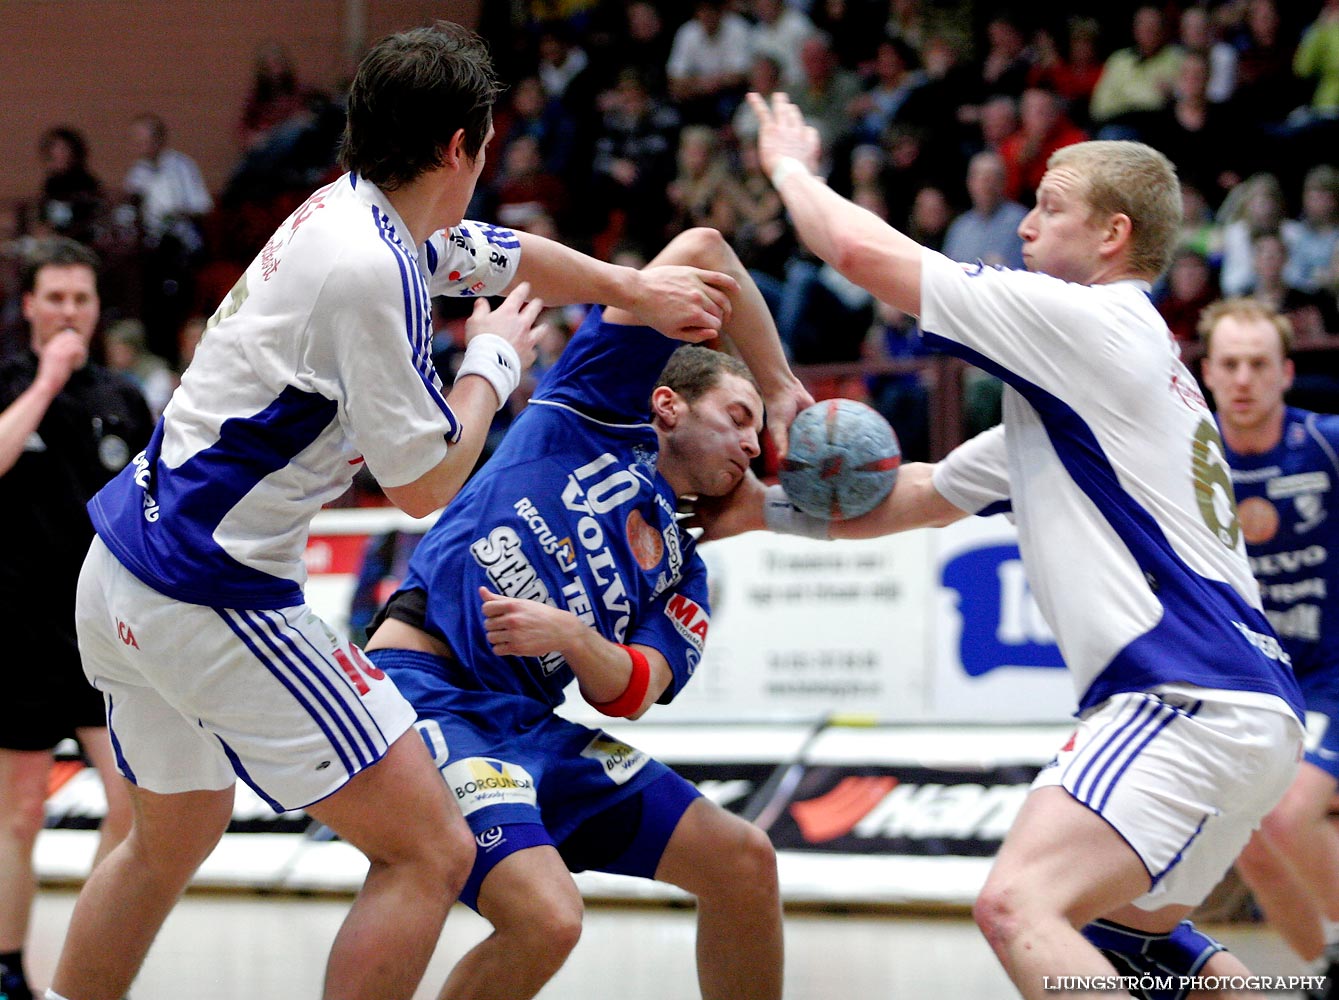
<point>191,615</point>
<point>1109,459</point>
<point>563,559</point>
<point>1285,471</point>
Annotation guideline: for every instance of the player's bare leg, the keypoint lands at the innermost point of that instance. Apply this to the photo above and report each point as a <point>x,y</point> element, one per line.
<point>400,815</point>
<point>115,823</point>
<point>1284,896</point>
<point>129,895</point>
<point>730,866</point>
<point>1061,867</point>
<point>535,909</point>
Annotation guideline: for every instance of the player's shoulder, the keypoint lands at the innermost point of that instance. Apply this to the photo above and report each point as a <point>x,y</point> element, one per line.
<point>1324,425</point>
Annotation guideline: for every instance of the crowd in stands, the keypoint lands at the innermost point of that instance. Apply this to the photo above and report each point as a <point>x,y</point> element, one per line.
<point>623,123</point>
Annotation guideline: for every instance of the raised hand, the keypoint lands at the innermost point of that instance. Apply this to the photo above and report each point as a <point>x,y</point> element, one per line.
<point>513,321</point>
<point>782,409</point>
<point>682,302</point>
<point>61,357</point>
<point>782,132</point>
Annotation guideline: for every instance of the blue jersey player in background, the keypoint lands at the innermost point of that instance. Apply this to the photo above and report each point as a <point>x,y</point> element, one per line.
<point>563,559</point>
<point>1285,469</point>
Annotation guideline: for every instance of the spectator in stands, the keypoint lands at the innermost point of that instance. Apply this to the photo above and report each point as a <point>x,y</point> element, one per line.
<point>1254,207</point>
<point>72,201</point>
<point>1137,78</point>
<point>1043,128</point>
<point>901,397</point>
<point>1317,57</point>
<point>634,161</point>
<point>1200,231</point>
<point>1202,139</point>
<point>988,231</point>
<point>1315,238</point>
<point>930,216</point>
<point>1190,286</point>
<point>646,44</point>
<point>827,91</point>
<point>1267,91</point>
<point>1198,35</point>
<point>531,113</point>
<point>779,32</point>
<point>896,77</point>
<point>1074,74</point>
<point>764,78</point>
<point>524,188</point>
<point>998,120</point>
<point>563,65</point>
<point>1312,313</point>
<point>1007,62</point>
<point>936,105</point>
<point>762,237</point>
<point>709,63</point>
<point>276,100</point>
<point>167,186</point>
<point>853,28</point>
<point>127,354</point>
<point>700,189</point>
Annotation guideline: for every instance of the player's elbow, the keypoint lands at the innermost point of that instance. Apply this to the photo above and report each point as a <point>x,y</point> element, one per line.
<point>705,248</point>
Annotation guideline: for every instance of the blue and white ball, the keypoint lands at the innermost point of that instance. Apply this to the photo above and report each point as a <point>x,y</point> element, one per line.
<point>842,460</point>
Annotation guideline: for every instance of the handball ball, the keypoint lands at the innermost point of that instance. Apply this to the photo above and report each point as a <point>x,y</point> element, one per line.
<point>842,460</point>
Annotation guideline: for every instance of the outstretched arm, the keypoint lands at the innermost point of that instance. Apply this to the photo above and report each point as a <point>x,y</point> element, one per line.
<point>686,303</point>
<point>749,324</point>
<point>604,669</point>
<point>859,244</point>
<point>751,506</point>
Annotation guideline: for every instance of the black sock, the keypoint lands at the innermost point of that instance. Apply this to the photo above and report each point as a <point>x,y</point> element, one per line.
<point>13,985</point>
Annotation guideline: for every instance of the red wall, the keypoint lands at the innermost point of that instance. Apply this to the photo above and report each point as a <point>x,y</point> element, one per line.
<point>95,64</point>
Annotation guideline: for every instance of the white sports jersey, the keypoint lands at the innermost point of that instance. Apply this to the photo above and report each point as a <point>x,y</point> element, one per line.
<point>319,359</point>
<point>1118,485</point>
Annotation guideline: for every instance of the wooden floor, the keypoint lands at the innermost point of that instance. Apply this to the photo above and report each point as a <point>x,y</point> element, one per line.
<point>232,946</point>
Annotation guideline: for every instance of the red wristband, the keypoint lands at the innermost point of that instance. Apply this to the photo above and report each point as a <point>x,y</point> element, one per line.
<point>635,693</point>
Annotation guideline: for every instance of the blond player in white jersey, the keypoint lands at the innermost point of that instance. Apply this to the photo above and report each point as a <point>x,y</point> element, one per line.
<point>191,615</point>
<point>1112,466</point>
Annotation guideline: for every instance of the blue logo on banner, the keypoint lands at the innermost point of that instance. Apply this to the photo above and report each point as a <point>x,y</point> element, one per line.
<point>1001,626</point>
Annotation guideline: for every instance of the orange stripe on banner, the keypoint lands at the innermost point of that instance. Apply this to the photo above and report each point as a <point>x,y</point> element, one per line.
<point>62,773</point>
<point>837,811</point>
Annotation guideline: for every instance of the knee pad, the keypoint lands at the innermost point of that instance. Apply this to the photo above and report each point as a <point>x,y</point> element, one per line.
<point>1163,959</point>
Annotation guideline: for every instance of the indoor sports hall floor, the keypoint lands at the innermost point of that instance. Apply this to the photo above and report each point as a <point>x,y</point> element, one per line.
<point>229,946</point>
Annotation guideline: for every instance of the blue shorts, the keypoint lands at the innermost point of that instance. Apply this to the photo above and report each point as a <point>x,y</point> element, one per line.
<point>1320,691</point>
<point>524,777</point>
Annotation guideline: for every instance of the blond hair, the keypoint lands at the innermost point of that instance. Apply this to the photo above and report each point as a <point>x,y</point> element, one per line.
<point>1247,311</point>
<point>1134,180</point>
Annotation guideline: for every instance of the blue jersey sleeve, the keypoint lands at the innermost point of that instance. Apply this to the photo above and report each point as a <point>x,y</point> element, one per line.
<point>607,371</point>
<point>676,625</point>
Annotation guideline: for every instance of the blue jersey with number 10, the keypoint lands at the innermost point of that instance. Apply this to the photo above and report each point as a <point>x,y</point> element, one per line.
<point>571,511</point>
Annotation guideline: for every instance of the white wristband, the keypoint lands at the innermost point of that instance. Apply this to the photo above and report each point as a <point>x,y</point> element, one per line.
<point>493,358</point>
<point>786,166</point>
<point>783,517</point>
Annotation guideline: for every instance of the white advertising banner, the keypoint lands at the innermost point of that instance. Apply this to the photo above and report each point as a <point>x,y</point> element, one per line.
<point>807,630</point>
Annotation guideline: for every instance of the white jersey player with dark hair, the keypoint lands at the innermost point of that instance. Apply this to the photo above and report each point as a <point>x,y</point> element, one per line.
<point>191,616</point>
<point>1189,715</point>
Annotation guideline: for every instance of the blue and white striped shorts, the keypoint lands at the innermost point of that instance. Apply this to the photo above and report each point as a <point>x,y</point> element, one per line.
<point>1183,778</point>
<point>199,697</point>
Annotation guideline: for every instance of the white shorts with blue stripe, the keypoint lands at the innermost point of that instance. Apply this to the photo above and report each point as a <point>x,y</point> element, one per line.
<point>1183,778</point>
<point>198,697</point>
